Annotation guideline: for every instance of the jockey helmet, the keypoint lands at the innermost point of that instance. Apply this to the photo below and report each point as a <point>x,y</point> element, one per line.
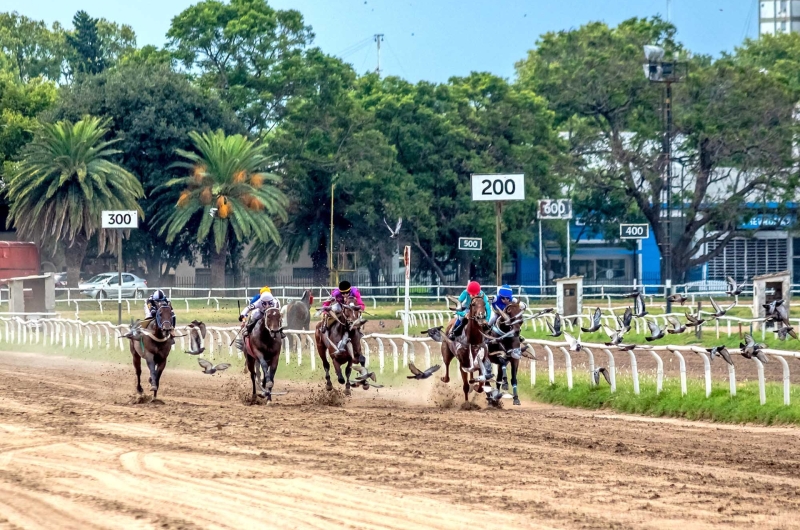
<point>265,289</point>
<point>159,295</point>
<point>505,291</point>
<point>344,287</point>
<point>473,288</point>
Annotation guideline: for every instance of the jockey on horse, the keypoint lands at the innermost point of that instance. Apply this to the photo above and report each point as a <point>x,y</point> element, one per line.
<point>336,302</point>
<point>507,348</point>
<point>255,310</point>
<point>473,289</point>
<point>151,305</point>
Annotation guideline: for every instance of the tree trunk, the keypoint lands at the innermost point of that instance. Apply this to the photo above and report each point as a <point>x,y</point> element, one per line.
<point>73,256</point>
<point>465,268</point>
<point>319,260</point>
<point>218,260</point>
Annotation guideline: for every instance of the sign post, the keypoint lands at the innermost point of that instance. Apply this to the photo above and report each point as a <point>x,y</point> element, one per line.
<point>119,220</point>
<point>407,263</point>
<point>498,188</point>
<point>554,209</point>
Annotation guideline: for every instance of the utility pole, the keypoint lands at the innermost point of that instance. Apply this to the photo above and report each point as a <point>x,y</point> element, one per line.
<point>378,40</point>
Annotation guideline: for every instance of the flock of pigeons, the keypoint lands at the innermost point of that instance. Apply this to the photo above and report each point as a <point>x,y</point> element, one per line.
<point>776,311</point>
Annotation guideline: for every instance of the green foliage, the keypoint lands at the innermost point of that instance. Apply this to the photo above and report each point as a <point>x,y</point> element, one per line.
<point>62,184</point>
<point>720,406</point>
<point>247,51</point>
<point>226,173</point>
<point>20,103</point>
<point>34,50</point>
<point>86,46</point>
<point>152,110</point>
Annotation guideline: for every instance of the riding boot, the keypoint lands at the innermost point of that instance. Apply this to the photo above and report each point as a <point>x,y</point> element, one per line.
<point>456,331</point>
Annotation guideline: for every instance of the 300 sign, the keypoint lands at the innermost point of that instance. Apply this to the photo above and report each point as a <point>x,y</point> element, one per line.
<point>498,187</point>
<point>120,219</point>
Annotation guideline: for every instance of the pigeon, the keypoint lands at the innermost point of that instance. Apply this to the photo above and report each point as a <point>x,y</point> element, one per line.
<point>632,294</point>
<point>655,331</point>
<point>363,373</point>
<point>677,298</point>
<point>209,368</point>
<point>720,351</point>
<point>771,309</point>
<point>677,326</point>
<point>694,320</point>
<point>555,327</point>
<point>614,335</point>
<point>718,311</point>
<point>626,347</point>
<point>421,375</point>
<point>197,332</point>
<point>734,289</point>
<point>396,228</point>
<point>751,349</point>
<point>781,314</point>
<point>597,373</point>
<point>574,344</point>
<point>434,333</point>
<point>381,324</point>
<point>625,320</point>
<point>595,322</point>
<point>784,330</point>
<point>540,313</point>
<point>638,307</point>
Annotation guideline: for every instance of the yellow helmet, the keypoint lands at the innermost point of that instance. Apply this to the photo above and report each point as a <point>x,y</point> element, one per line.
<point>264,289</point>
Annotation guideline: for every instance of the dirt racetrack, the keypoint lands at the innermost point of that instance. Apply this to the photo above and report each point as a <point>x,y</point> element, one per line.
<point>75,453</point>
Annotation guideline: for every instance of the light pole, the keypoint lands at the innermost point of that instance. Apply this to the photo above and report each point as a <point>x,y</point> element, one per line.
<point>667,72</point>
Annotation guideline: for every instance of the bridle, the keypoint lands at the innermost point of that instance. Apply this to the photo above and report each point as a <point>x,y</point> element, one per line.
<point>267,313</point>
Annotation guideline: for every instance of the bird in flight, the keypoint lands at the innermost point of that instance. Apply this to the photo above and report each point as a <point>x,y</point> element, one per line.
<point>209,368</point>
<point>396,228</point>
<point>420,374</point>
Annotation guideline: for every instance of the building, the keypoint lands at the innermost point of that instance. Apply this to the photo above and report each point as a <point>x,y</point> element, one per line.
<point>778,16</point>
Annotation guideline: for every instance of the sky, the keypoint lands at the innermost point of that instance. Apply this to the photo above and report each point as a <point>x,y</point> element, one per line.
<point>435,39</point>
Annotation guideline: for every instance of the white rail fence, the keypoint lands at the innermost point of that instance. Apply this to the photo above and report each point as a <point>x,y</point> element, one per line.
<point>394,350</point>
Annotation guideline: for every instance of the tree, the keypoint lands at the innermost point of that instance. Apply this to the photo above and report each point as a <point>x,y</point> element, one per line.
<point>444,133</point>
<point>20,103</point>
<point>62,184</point>
<point>726,117</point>
<point>245,50</point>
<point>230,192</point>
<point>151,110</point>
<point>87,55</point>
<point>328,138</point>
<point>33,49</point>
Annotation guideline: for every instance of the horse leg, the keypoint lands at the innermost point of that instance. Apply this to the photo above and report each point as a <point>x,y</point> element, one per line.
<point>251,367</point>
<point>447,356</point>
<point>273,368</point>
<point>151,365</point>
<point>347,371</point>
<point>159,370</point>
<point>465,380</point>
<point>323,354</point>
<point>514,369</point>
<point>338,368</point>
<point>264,376</point>
<point>137,365</point>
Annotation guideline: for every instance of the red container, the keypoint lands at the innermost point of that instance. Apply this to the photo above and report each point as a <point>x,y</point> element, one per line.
<point>18,259</point>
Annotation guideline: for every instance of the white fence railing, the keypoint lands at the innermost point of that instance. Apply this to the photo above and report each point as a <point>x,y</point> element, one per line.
<point>394,350</point>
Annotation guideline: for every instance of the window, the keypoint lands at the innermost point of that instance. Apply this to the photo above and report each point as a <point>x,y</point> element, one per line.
<point>608,269</point>
<point>783,25</point>
<point>783,11</point>
<point>745,258</point>
<point>127,278</point>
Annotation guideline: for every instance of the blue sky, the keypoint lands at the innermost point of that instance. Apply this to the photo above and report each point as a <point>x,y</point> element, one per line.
<point>436,39</point>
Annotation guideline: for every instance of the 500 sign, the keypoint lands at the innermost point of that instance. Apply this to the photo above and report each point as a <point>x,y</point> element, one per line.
<point>498,187</point>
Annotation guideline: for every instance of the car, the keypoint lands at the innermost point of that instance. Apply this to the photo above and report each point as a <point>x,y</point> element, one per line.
<point>61,279</point>
<point>105,286</point>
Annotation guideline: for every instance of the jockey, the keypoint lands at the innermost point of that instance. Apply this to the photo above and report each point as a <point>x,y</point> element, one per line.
<point>339,298</point>
<point>258,305</point>
<point>505,296</point>
<point>473,289</point>
<point>151,305</point>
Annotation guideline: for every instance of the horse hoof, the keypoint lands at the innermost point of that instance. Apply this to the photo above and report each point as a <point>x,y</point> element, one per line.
<point>269,398</point>
<point>328,386</point>
<point>153,388</point>
<point>445,379</point>
<point>270,384</point>
<point>341,380</point>
<point>365,386</point>
<point>516,401</point>
<point>347,392</point>
<point>505,385</point>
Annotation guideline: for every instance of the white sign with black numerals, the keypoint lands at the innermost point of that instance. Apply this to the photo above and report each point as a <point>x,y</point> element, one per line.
<point>120,219</point>
<point>634,231</point>
<point>498,187</point>
<point>555,209</point>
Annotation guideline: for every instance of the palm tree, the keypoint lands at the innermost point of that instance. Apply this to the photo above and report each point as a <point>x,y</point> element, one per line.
<point>227,186</point>
<point>62,184</point>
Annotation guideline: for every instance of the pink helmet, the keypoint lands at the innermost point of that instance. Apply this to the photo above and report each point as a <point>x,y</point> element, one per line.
<point>473,288</point>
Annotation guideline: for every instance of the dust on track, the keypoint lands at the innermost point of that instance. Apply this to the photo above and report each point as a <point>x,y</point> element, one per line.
<point>76,453</point>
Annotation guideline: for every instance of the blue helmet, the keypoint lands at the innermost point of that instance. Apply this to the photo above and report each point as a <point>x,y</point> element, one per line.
<point>505,291</point>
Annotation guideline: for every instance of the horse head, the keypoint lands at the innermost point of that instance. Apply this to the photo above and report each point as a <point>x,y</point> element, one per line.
<point>272,321</point>
<point>350,311</point>
<point>477,309</point>
<point>511,318</point>
<point>164,318</point>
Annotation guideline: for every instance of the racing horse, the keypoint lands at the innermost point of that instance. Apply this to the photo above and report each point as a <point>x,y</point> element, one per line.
<point>343,343</point>
<point>506,348</point>
<point>469,349</point>
<point>263,346</point>
<point>153,344</point>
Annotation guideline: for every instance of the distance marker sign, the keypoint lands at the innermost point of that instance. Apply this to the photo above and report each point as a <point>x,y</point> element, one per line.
<point>498,187</point>
<point>470,243</point>
<point>120,219</point>
<point>634,231</point>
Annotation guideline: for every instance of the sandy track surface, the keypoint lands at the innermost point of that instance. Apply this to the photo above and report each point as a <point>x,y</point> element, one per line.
<point>75,453</point>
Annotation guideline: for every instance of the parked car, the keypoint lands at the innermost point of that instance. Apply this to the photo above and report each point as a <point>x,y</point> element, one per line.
<point>60,279</point>
<point>105,286</point>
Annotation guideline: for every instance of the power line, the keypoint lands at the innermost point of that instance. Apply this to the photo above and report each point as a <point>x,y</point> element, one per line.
<point>396,58</point>
<point>353,48</point>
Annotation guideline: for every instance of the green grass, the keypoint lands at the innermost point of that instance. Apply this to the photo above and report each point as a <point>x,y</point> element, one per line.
<point>719,407</point>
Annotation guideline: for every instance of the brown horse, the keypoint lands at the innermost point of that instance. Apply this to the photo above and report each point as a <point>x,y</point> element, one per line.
<point>263,345</point>
<point>469,349</point>
<point>507,349</point>
<point>153,344</point>
<point>343,343</point>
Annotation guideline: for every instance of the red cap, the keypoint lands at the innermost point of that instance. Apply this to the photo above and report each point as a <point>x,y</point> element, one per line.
<point>474,288</point>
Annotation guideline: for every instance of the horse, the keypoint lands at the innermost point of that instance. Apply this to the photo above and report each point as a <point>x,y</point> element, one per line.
<point>343,343</point>
<point>506,347</point>
<point>469,349</point>
<point>263,345</point>
<point>153,344</point>
<point>298,313</point>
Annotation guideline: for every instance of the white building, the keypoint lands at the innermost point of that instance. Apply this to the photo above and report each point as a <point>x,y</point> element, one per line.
<point>778,16</point>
